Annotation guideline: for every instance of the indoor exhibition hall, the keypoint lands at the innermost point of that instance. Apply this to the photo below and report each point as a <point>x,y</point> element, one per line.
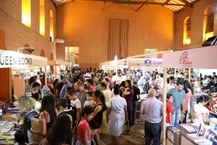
<point>108,72</point>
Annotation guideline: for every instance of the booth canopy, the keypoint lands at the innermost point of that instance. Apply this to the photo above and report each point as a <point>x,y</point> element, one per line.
<point>145,62</point>
<point>61,62</point>
<point>9,59</point>
<point>133,62</point>
<point>204,58</point>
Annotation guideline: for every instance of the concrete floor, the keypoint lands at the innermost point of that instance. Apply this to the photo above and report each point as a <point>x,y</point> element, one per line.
<point>133,138</point>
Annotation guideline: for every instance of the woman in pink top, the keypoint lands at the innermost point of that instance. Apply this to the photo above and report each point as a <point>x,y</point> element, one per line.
<point>188,93</point>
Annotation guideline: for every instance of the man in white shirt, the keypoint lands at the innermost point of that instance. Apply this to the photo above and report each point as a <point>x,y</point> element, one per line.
<point>159,81</point>
<point>171,83</point>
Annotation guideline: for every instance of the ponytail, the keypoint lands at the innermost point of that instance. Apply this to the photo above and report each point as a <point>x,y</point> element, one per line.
<point>101,96</point>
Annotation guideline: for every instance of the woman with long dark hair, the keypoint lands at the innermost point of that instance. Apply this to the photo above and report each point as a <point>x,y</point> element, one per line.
<point>128,95</point>
<point>200,111</point>
<point>61,131</point>
<point>48,113</point>
<point>188,94</point>
<point>99,108</point>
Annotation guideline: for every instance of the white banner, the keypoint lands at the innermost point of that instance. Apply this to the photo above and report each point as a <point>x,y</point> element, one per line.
<point>9,59</point>
<point>204,57</point>
<point>147,62</point>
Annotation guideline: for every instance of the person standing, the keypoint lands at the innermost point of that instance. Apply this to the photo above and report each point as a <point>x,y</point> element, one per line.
<point>96,122</point>
<point>80,92</point>
<point>83,128</point>
<point>171,83</point>
<point>66,85</point>
<point>128,95</point>
<point>169,109</point>
<point>90,86</point>
<point>152,112</point>
<point>117,114</point>
<point>136,97</point>
<point>108,94</point>
<point>178,96</point>
<point>60,84</point>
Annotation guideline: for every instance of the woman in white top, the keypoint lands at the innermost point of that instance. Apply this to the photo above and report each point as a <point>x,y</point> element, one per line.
<point>117,114</point>
<point>201,112</point>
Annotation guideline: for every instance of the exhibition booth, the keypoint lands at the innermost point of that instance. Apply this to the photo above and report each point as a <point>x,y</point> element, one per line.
<point>19,68</point>
<point>189,134</point>
<point>61,66</point>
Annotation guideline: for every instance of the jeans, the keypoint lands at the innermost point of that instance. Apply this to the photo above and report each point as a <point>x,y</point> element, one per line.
<point>175,117</point>
<point>129,110</point>
<point>152,132</point>
<point>135,104</point>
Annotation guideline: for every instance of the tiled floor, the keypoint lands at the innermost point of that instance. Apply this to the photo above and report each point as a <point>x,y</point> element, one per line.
<point>133,138</point>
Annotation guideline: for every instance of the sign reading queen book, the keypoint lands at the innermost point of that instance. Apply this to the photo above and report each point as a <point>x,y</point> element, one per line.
<point>9,59</point>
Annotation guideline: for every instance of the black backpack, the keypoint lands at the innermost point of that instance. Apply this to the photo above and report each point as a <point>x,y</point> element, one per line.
<point>28,117</point>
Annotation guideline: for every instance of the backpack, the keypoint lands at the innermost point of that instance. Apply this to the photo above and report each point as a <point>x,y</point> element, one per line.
<point>29,115</point>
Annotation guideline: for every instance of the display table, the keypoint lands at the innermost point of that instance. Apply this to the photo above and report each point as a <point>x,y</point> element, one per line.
<point>185,134</point>
<point>7,131</point>
<point>189,135</point>
<point>8,126</point>
<point>193,139</point>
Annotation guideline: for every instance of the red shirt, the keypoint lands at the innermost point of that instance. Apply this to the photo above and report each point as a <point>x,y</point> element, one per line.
<point>169,109</point>
<point>210,105</point>
<point>92,89</point>
<point>82,127</point>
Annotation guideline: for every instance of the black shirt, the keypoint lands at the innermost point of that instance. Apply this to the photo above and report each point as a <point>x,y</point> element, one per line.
<point>59,87</point>
<point>72,113</point>
<point>36,95</point>
<point>136,93</point>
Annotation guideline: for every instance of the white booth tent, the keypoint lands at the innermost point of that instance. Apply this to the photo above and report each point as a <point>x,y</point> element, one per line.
<point>130,62</point>
<point>204,58</point>
<point>19,61</point>
<point>111,65</point>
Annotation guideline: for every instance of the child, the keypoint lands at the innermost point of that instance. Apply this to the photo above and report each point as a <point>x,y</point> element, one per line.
<point>83,129</point>
<point>74,103</point>
<point>169,109</point>
<point>89,99</point>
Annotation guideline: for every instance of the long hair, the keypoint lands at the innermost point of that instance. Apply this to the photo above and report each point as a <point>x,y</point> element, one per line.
<point>100,95</point>
<point>187,86</point>
<point>130,84</point>
<point>61,131</point>
<point>48,104</point>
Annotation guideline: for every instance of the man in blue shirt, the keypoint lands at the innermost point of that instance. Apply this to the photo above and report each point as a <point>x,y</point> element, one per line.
<point>65,86</point>
<point>178,96</point>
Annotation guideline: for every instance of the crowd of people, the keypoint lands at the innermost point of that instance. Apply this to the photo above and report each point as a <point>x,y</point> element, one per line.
<point>84,103</point>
